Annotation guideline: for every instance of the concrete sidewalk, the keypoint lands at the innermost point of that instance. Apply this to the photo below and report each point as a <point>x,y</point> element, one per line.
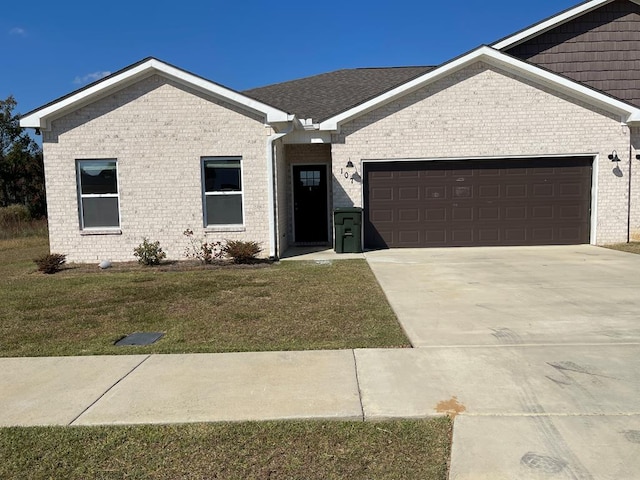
<point>543,412</point>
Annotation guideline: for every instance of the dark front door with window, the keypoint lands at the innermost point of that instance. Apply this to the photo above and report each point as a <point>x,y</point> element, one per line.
<point>310,204</point>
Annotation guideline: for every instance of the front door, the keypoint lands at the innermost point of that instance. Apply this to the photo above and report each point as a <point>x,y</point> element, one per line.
<point>310,204</point>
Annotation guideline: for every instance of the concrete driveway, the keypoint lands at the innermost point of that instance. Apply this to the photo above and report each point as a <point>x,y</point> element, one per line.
<point>512,295</point>
<point>536,349</point>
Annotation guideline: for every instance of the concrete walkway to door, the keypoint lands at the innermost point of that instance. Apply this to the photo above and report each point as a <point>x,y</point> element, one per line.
<point>536,348</point>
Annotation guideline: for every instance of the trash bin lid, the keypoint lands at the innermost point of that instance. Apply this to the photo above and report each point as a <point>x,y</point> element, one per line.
<point>347,210</point>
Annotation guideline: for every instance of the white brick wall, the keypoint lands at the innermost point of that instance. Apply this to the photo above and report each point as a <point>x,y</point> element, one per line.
<point>482,111</point>
<point>157,130</point>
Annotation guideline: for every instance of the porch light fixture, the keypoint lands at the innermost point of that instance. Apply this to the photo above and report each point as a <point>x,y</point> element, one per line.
<point>614,156</point>
<point>349,171</point>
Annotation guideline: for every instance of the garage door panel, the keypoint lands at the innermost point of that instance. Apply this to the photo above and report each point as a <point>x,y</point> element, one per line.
<point>382,215</point>
<point>435,237</point>
<point>411,215</point>
<point>409,193</point>
<point>464,214</point>
<point>488,213</point>
<point>408,237</point>
<point>462,191</point>
<point>515,191</point>
<point>478,202</point>
<point>436,193</point>
<point>435,214</point>
<point>542,190</point>
<point>489,236</point>
<point>489,191</point>
<point>515,213</point>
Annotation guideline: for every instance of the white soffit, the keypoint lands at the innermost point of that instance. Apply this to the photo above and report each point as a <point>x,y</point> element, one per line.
<point>38,118</point>
<point>500,60</point>
<point>550,23</point>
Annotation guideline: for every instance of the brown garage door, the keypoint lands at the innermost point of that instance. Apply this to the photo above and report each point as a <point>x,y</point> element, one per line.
<point>533,201</point>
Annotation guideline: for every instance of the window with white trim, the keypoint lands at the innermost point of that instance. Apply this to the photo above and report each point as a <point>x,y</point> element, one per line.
<point>222,178</point>
<point>98,193</point>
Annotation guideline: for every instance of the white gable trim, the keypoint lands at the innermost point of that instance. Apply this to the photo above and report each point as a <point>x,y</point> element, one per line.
<point>550,23</point>
<point>627,112</point>
<point>41,118</point>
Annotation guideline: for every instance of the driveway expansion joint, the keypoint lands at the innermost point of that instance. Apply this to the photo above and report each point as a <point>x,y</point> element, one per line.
<point>108,390</point>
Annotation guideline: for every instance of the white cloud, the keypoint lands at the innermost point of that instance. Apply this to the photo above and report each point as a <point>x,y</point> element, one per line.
<point>20,32</point>
<point>90,77</point>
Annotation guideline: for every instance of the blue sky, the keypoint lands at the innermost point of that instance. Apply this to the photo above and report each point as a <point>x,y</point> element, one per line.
<point>49,49</point>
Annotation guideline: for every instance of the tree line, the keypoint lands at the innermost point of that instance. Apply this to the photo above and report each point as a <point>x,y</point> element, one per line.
<point>21,167</point>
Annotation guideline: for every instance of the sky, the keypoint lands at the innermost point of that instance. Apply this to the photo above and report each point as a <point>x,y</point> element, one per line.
<point>49,49</point>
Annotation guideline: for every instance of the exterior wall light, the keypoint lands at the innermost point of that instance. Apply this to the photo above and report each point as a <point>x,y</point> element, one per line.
<point>350,171</point>
<point>614,156</point>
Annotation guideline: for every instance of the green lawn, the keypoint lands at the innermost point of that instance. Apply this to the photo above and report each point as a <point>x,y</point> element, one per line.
<point>415,449</point>
<point>285,306</point>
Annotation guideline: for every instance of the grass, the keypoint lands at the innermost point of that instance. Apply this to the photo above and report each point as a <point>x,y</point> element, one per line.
<point>287,306</point>
<point>631,247</point>
<point>409,449</point>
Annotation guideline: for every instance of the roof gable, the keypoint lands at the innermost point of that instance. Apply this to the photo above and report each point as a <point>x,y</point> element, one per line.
<point>600,48</point>
<point>41,117</point>
<point>551,22</point>
<point>498,59</point>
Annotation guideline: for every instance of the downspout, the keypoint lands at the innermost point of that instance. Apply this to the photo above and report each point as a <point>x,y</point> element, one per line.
<point>273,235</point>
<point>629,193</point>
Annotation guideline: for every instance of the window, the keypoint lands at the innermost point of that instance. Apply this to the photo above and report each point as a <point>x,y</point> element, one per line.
<point>98,192</point>
<point>222,191</point>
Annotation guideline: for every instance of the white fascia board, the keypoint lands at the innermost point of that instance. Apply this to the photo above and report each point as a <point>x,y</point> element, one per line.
<point>497,59</point>
<point>550,23</point>
<point>38,118</point>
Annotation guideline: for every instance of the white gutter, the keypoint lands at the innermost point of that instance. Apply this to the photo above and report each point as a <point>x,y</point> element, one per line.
<point>270,190</point>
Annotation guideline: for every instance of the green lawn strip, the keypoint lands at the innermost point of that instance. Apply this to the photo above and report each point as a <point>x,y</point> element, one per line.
<point>285,306</point>
<point>255,450</point>
<point>631,247</point>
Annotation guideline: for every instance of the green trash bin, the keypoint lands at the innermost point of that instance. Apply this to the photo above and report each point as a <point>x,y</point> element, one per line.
<point>347,223</point>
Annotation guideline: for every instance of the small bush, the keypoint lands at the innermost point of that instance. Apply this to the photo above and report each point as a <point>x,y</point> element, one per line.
<point>149,253</point>
<point>206,252</point>
<point>50,263</point>
<point>14,214</point>
<point>242,252</point>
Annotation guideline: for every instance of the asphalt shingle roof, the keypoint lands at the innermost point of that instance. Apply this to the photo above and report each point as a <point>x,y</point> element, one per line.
<point>322,96</point>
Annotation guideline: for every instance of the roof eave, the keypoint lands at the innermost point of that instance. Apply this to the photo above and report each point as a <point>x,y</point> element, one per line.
<point>41,117</point>
<point>501,60</point>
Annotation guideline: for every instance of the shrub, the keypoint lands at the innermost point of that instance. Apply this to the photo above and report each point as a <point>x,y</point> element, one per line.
<point>50,263</point>
<point>206,252</point>
<point>242,252</point>
<point>14,214</point>
<point>149,253</point>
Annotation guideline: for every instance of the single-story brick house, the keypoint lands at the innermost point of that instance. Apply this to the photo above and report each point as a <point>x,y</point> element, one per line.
<point>534,139</point>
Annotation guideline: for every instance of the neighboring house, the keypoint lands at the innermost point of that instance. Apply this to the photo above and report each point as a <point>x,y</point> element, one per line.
<point>533,140</point>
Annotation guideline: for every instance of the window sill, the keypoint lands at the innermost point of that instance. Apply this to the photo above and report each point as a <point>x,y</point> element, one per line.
<point>225,228</point>
<point>101,231</point>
